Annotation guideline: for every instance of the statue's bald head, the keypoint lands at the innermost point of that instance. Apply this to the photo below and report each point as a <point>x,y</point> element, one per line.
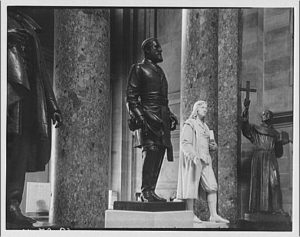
<point>267,115</point>
<point>152,50</point>
<point>146,44</point>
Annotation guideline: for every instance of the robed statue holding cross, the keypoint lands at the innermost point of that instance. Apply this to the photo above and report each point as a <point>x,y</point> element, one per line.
<point>265,192</point>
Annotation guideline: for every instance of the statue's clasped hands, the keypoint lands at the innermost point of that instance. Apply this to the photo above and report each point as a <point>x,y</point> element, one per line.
<point>174,121</point>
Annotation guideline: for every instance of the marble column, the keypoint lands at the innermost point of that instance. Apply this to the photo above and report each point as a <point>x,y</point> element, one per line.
<point>210,71</point>
<point>199,76</point>
<point>229,67</point>
<point>82,83</point>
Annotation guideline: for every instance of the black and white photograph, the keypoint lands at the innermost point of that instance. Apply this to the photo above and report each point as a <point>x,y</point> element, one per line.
<point>150,118</point>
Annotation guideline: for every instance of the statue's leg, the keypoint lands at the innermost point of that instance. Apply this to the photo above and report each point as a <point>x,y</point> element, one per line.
<point>157,168</point>
<point>212,205</point>
<point>18,150</point>
<point>16,168</point>
<point>157,165</point>
<point>276,197</point>
<point>152,157</point>
<point>256,180</point>
<point>190,207</point>
<point>209,184</point>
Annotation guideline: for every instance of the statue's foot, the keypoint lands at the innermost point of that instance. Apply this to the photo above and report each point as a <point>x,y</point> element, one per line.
<point>280,212</point>
<point>146,196</point>
<point>218,219</point>
<point>158,198</point>
<point>178,200</point>
<point>15,218</point>
<point>151,196</point>
<point>31,220</point>
<point>196,219</point>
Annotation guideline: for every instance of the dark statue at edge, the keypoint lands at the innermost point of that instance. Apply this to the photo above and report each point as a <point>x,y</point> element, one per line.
<point>265,191</point>
<point>150,116</point>
<point>31,105</point>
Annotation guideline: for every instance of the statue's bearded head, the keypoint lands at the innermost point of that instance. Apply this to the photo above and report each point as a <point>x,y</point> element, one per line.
<point>152,50</point>
<point>266,116</point>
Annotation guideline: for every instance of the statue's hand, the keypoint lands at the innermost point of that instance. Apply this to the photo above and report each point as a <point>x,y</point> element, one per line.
<point>141,121</point>
<point>284,138</point>
<point>246,103</point>
<point>213,146</point>
<point>174,121</point>
<point>57,119</point>
<point>197,160</point>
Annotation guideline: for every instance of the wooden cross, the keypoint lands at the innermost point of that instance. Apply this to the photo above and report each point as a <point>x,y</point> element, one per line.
<point>248,90</point>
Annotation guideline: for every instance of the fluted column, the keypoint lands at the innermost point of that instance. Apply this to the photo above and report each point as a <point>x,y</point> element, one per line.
<point>82,83</point>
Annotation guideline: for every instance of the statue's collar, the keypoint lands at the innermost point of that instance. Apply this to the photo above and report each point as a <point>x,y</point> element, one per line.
<point>152,64</point>
<point>266,129</point>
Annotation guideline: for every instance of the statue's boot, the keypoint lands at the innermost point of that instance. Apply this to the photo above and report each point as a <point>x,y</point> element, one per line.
<point>151,167</point>
<point>218,219</point>
<point>157,198</point>
<point>148,197</point>
<point>15,216</point>
<point>156,172</point>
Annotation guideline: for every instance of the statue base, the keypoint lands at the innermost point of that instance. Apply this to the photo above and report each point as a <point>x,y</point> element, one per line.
<point>146,219</point>
<point>266,217</point>
<point>39,225</point>
<point>42,223</point>
<point>138,215</point>
<point>266,221</point>
<point>149,206</point>
<point>211,225</point>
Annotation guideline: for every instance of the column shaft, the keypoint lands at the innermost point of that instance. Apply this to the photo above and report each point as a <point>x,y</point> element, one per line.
<point>82,82</point>
<point>199,77</point>
<point>228,108</point>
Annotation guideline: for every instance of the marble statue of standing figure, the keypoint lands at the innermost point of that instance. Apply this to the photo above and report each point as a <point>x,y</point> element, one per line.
<point>147,100</point>
<point>31,105</point>
<point>265,192</point>
<point>195,164</point>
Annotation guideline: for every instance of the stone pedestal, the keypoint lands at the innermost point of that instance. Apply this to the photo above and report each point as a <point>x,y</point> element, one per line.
<point>148,215</point>
<point>82,83</point>
<point>210,225</point>
<point>260,217</point>
<point>266,222</point>
<point>149,206</point>
<point>144,219</point>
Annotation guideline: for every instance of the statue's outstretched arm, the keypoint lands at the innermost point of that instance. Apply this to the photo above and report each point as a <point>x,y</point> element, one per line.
<point>245,126</point>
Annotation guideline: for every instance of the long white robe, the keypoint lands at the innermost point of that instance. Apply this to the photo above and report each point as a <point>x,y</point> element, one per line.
<point>194,144</point>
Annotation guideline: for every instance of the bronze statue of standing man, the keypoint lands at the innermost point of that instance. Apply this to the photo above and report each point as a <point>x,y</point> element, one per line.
<point>147,99</point>
<point>265,192</point>
<point>31,105</point>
